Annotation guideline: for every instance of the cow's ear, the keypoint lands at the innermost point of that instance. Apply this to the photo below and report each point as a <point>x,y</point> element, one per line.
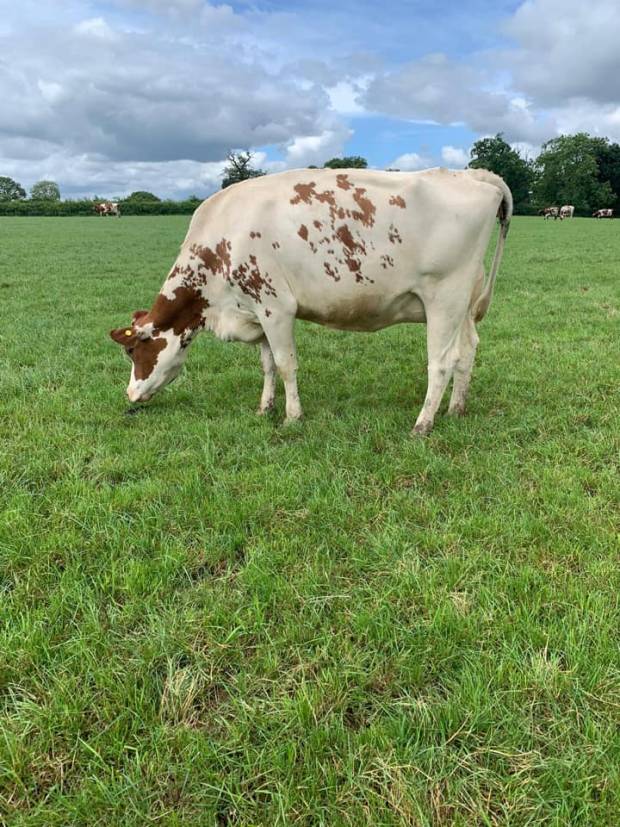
<point>138,314</point>
<point>125,336</point>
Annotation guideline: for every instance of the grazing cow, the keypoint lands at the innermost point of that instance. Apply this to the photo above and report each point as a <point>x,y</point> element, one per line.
<point>349,249</point>
<point>108,208</point>
<point>551,212</point>
<point>567,211</point>
<point>607,213</point>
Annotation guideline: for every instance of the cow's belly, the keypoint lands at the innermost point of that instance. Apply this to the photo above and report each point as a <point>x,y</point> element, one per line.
<point>363,312</point>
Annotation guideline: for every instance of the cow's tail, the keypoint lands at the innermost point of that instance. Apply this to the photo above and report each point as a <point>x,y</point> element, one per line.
<point>504,213</point>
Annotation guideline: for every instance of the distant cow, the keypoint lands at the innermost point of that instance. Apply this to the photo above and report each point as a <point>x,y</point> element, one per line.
<point>349,249</point>
<point>551,212</point>
<point>108,208</point>
<point>607,213</point>
<point>567,211</point>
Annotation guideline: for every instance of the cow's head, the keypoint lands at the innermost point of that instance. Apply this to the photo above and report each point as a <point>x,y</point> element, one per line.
<point>157,355</point>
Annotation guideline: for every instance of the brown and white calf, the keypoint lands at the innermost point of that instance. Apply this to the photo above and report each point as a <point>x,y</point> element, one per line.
<point>108,208</point>
<point>353,250</point>
<point>607,213</point>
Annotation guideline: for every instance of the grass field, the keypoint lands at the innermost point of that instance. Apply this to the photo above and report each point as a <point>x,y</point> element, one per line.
<point>211,619</point>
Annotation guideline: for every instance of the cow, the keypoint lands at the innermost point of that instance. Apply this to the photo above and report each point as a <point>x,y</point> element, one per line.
<point>349,249</point>
<point>551,212</point>
<point>607,213</point>
<point>567,211</point>
<point>108,208</point>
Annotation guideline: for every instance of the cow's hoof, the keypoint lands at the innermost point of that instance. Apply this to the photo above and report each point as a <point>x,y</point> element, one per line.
<point>422,429</point>
<point>265,411</point>
<point>457,410</point>
<point>293,420</point>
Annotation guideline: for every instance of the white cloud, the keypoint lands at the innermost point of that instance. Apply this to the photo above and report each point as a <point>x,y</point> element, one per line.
<point>316,149</point>
<point>410,161</point>
<point>454,157</point>
<point>344,96</point>
<point>89,175</point>
<point>94,27</point>
<point>565,49</point>
<point>449,92</point>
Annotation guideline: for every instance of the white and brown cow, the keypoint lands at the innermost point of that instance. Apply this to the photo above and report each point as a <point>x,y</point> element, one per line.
<point>607,213</point>
<point>108,208</point>
<point>567,211</point>
<point>551,212</point>
<point>352,250</point>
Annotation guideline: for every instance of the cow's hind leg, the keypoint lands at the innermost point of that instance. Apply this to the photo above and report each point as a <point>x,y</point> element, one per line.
<point>445,314</point>
<point>269,385</point>
<point>467,344</point>
<point>281,338</point>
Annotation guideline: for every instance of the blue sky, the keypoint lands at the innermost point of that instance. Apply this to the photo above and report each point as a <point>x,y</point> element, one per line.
<point>109,96</point>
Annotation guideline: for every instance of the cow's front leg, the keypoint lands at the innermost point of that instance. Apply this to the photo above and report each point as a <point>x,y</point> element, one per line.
<point>269,385</point>
<point>281,339</point>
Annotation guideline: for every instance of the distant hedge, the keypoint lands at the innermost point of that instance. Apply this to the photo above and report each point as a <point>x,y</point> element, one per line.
<point>135,207</point>
<point>60,208</point>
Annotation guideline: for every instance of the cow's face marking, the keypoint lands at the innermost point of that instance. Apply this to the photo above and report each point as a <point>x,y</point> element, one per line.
<point>156,358</point>
<point>157,340</point>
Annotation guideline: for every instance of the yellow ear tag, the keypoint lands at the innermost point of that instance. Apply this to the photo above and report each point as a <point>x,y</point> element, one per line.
<point>128,332</point>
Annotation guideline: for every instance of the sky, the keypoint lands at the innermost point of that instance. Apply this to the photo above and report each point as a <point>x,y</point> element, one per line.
<point>110,96</point>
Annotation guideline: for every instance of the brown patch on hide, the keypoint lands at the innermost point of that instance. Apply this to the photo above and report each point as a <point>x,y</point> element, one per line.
<point>394,235</point>
<point>249,279</point>
<point>367,209</point>
<point>184,312</point>
<point>331,272</point>
<point>302,232</point>
<point>398,201</point>
<point>305,192</point>
<point>246,275</point>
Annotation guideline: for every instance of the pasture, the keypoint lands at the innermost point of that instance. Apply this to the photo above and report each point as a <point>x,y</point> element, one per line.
<point>211,619</point>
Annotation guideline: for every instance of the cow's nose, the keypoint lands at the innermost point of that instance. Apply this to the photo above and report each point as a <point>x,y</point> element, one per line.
<point>133,395</point>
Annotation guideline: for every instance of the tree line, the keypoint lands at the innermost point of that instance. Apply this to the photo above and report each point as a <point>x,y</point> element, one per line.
<point>582,170</point>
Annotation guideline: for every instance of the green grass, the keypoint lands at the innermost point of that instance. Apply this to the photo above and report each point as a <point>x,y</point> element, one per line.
<point>209,619</point>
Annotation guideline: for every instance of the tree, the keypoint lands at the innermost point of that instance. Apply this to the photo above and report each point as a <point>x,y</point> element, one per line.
<point>239,168</point>
<point>608,163</point>
<point>45,191</point>
<point>142,195</point>
<point>499,157</point>
<point>348,162</point>
<point>10,190</point>
<point>568,173</point>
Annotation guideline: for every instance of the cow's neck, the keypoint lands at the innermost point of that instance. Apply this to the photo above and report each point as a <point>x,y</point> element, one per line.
<point>179,308</point>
